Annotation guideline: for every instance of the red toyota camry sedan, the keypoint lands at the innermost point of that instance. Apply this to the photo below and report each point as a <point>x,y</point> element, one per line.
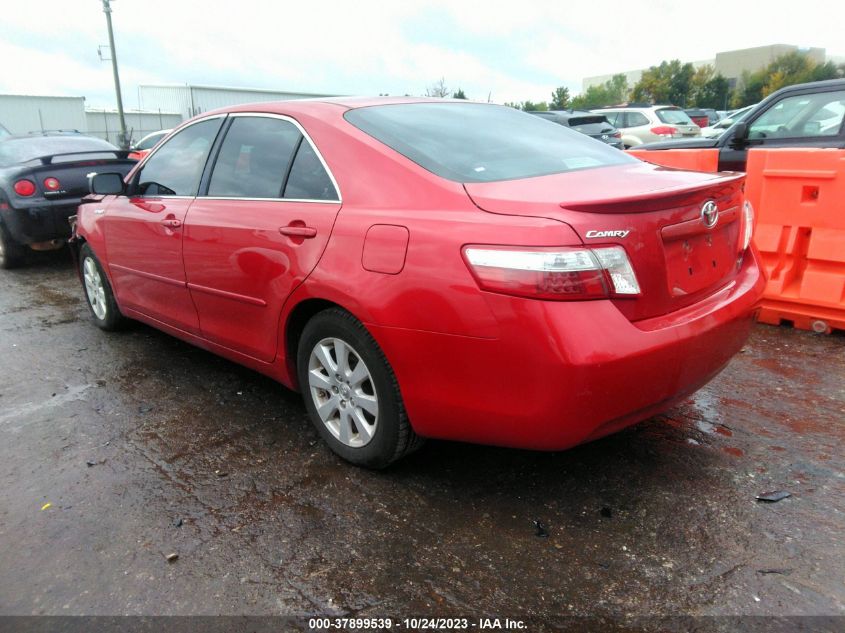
<point>428,268</point>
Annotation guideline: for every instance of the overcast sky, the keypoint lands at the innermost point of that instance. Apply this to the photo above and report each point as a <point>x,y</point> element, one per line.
<point>515,50</point>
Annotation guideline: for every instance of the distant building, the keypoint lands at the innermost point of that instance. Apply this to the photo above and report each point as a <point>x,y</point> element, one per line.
<point>731,64</point>
<point>21,114</point>
<point>160,107</point>
<point>191,100</point>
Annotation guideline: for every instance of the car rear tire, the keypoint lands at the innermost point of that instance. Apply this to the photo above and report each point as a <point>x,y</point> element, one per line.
<point>351,393</point>
<point>98,292</point>
<point>11,252</point>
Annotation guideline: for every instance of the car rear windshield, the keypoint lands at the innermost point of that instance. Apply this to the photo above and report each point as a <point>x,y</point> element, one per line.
<point>474,142</point>
<point>21,150</point>
<point>586,120</point>
<point>674,115</point>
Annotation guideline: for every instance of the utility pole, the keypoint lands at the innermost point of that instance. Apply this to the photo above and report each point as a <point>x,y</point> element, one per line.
<point>122,140</point>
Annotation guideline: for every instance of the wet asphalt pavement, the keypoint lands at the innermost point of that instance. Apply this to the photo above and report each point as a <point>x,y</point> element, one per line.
<point>145,446</point>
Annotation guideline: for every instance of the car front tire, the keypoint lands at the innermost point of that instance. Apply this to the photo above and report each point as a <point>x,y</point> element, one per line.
<point>351,393</point>
<point>98,292</point>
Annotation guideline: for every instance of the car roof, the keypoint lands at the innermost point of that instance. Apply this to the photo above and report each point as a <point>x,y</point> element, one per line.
<point>315,104</point>
<point>827,83</point>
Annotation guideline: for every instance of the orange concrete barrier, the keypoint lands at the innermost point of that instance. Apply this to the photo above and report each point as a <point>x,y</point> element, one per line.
<point>692,159</point>
<point>799,197</point>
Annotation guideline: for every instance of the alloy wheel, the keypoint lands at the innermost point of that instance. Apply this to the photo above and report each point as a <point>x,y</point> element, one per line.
<point>343,392</point>
<point>94,288</point>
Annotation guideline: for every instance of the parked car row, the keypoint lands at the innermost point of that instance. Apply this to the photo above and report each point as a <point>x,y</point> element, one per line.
<point>803,115</point>
<point>629,126</point>
<point>593,125</point>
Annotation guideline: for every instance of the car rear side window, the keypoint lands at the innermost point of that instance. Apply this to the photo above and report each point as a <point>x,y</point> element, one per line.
<point>176,167</point>
<point>635,119</point>
<point>308,179</point>
<point>474,142</point>
<point>254,158</point>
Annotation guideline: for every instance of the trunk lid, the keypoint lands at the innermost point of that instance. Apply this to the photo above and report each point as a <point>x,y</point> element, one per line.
<point>654,212</point>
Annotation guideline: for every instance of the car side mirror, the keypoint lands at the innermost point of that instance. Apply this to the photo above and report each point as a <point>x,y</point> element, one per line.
<point>740,132</point>
<point>106,184</point>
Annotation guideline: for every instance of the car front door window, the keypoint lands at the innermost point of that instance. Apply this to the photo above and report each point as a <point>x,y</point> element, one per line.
<point>801,116</point>
<point>176,167</point>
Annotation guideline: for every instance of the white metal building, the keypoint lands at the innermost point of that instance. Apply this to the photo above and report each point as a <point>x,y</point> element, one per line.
<point>190,100</point>
<point>21,114</point>
<point>30,113</point>
<point>160,107</point>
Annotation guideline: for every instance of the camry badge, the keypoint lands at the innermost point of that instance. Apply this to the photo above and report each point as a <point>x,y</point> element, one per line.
<point>709,214</point>
<point>593,234</point>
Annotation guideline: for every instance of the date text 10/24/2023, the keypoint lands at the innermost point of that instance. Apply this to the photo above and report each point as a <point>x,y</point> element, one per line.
<point>416,624</point>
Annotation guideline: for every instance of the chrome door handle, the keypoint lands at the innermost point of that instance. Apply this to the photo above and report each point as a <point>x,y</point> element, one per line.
<point>306,232</point>
<point>173,223</point>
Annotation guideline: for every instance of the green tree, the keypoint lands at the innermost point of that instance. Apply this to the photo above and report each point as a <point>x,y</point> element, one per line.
<point>708,90</point>
<point>614,91</point>
<point>530,106</point>
<point>459,94</point>
<point>786,70</point>
<point>560,98</point>
<point>670,82</point>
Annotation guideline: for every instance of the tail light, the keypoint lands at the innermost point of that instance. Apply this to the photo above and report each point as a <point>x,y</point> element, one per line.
<point>664,130</point>
<point>51,184</point>
<point>24,188</point>
<point>558,274</point>
<point>747,225</point>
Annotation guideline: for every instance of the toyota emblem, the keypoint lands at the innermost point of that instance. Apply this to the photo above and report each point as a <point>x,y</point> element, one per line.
<point>709,214</point>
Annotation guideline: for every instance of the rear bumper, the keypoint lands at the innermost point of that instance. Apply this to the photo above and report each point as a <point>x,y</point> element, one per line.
<point>41,223</point>
<point>563,373</point>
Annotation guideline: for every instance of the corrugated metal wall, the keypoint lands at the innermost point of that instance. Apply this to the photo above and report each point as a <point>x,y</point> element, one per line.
<point>168,98</point>
<point>105,123</point>
<point>24,113</point>
<point>193,100</point>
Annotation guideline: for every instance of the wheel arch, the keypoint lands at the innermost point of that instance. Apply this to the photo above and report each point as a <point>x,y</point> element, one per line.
<point>297,317</point>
